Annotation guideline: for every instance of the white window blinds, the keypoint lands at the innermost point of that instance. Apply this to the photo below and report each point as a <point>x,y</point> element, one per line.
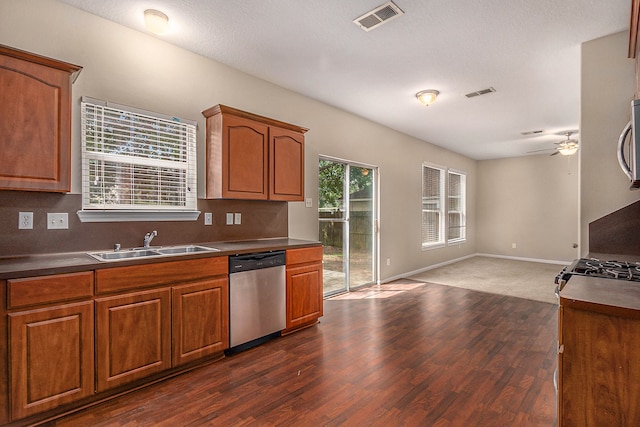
<point>432,205</point>
<point>456,228</point>
<point>136,160</point>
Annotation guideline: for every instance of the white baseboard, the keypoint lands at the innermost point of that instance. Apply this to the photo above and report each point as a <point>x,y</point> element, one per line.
<point>442,264</point>
<point>422,270</point>
<point>543,261</point>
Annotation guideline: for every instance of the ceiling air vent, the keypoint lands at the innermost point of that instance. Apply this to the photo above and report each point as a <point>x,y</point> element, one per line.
<point>480,92</point>
<point>378,16</point>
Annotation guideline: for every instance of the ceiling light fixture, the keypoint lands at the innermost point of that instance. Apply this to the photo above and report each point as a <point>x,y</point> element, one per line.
<point>427,97</point>
<point>568,148</point>
<point>156,21</point>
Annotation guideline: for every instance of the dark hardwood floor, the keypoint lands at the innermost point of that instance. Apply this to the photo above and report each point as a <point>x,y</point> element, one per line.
<point>429,356</point>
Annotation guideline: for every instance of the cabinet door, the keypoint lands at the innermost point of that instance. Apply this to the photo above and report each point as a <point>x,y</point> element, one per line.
<point>133,337</point>
<point>599,369</point>
<point>304,295</point>
<point>200,319</point>
<point>35,122</point>
<point>286,178</point>
<point>245,156</point>
<point>51,357</point>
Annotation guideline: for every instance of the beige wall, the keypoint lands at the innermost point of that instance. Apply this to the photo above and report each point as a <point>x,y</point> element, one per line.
<point>607,91</point>
<point>531,201</point>
<point>131,68</point>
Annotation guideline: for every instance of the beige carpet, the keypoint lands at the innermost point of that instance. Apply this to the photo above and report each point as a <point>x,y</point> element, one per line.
<point>522,279</point>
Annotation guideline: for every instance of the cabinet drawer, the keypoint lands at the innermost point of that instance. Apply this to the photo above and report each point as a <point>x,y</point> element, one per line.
<point>140,276</point>
<point>304,255</point>
<point>49,289</point>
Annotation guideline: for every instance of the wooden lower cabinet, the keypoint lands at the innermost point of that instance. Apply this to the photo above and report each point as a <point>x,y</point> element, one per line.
<point>200,319</point>
<point>598,369</point>
<point>304,287</point>
<point>133,337</point>
<point>51,357</point>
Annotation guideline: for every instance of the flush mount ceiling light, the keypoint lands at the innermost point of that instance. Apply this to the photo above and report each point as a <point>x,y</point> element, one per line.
<point>427,97</point>
<point>156,21</point>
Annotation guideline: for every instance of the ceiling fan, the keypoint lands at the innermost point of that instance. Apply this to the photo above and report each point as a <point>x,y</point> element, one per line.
<point>566,147</point>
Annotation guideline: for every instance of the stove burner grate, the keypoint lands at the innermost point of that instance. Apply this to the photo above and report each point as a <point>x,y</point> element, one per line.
<point>620,270</point>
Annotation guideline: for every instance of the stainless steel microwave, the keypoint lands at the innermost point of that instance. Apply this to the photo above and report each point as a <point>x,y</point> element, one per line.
<point>629,154</point>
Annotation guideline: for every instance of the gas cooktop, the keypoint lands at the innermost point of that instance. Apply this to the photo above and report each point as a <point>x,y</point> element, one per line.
<point>592,267</point>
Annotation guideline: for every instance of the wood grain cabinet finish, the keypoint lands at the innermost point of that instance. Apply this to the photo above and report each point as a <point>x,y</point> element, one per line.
<point>55,288</point>
<point>51,357</point>
<point>200,319</point>
<point>598,369</point>
<point>253,157</point>
<point>304,287</point>
<point>286,159</point>
<point>35,122</point>
<point>133,337</point>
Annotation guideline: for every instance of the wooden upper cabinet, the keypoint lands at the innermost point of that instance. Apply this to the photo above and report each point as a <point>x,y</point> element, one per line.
<point>35,121</point>
<point>252,157</point>
<point>634,32</point>
<point>287,165</point>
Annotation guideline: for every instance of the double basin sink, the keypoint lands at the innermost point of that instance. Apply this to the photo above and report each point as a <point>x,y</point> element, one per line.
<point>137,253</point>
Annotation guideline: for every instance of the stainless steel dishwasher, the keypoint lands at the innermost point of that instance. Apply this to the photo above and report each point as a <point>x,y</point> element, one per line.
<point>257,298</point>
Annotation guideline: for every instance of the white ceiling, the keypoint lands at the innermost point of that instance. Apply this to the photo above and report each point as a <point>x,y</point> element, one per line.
<point>529,51</point>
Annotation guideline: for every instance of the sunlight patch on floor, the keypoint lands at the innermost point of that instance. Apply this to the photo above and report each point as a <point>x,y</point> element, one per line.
<point>384,290</point>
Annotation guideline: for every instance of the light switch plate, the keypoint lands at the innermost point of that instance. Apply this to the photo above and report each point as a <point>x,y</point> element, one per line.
<point>229,218</point>
<point>57,221</point>
<point>237,218</point>
<point>208,218</point>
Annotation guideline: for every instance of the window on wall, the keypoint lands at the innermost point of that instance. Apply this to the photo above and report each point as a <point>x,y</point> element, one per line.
<point>136,165</point>
<point>456,206</point>
<point>443,206</point>
<point>432,206</point>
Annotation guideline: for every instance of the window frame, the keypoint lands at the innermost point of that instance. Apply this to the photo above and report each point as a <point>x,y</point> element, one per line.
<point>440,208</point>
<point>138,211</point>
<point>462,211</point>
<point>444,209</point>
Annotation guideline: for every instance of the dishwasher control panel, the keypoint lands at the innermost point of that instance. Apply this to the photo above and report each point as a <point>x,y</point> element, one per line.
<point>256,261</point>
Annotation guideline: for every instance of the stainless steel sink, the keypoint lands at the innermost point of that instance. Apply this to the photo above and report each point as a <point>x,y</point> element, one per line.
<point>148,253</point>
<point>176,250</point>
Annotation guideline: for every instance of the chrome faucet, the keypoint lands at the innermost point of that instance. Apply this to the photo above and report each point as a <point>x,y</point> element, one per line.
<point>149,237</point>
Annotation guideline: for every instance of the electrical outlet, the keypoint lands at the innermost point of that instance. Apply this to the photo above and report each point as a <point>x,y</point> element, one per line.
<point>25,220</point>
<point>229,218</point>
<point>513,246</point>
<point>208,218</point>
<point>57,221</point>
<point>237,218</point>
<point>308,202</point>
<point>388,261</point>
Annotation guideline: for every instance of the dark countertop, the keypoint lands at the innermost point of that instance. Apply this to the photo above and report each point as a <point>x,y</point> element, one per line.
<point>40,265</point>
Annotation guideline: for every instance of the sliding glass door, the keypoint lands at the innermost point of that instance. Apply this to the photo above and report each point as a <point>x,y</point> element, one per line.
<point>348,219</point>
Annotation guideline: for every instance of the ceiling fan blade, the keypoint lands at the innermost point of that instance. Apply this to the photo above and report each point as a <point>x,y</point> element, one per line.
<point>553,154</point>
<point>537,151</point>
